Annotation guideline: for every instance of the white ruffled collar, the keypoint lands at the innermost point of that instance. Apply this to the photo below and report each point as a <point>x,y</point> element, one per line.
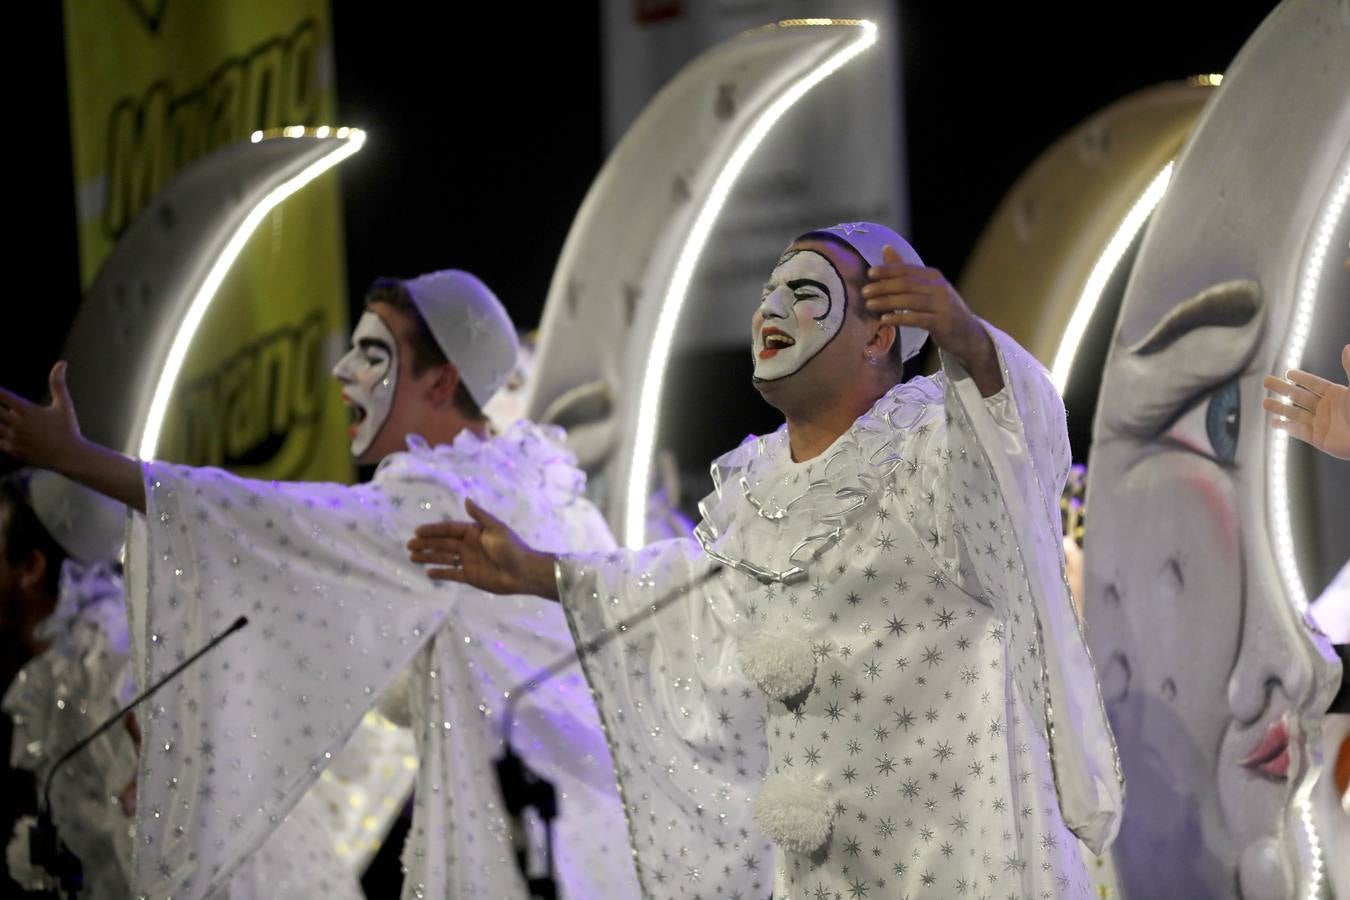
<point>533,454</point>
<point>87,591</point>
<point>771,517</point>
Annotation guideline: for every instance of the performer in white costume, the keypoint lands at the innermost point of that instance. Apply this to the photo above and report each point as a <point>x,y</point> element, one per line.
<point>336,612</point>
<point>83,677</point>
<point>75,682</point>
<point>887,667</point>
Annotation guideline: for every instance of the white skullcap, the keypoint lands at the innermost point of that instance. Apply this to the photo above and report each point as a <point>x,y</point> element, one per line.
<point>87,525</point>
<point>868,238</point>
<point>470,325</point>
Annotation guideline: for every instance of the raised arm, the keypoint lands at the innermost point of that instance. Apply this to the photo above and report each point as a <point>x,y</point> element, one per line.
<point>49,437</point>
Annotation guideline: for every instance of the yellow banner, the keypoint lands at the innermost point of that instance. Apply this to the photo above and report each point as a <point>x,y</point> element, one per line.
<point>155,85</point>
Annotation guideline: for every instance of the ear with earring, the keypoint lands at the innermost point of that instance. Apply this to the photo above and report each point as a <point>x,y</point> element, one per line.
<point>870,356</point>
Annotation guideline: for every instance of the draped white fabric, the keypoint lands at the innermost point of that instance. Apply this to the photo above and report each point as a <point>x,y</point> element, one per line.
<point>885,684</point>
<point>336,611</point>
<point>62,695</point>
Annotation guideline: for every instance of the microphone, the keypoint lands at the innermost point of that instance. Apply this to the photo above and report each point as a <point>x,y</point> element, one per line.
<point>521,787</point>
<point>46,849</point>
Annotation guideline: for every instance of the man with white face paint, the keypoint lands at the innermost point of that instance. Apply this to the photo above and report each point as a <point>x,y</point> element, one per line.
<point>368,373</point>
<point>337,612</point>
<point>866,675</point>
<point>800,312</point>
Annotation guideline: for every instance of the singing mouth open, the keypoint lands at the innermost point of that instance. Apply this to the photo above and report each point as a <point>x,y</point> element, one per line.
<point>774,339</point>
<point>358,414</point>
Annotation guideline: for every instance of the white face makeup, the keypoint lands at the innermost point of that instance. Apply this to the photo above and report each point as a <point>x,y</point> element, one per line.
<point>369,376</point>
<point>801,311</point>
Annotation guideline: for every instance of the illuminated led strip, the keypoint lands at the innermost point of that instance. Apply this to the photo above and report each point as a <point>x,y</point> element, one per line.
<point>1298,340</point>
<point>649,402</point>
<point>352,139</point>
<point>1278,485</point>
<point>1106,264</point>
<point>1314,849</point>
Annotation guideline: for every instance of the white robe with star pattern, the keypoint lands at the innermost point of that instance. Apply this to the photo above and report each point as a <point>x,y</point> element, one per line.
<point>884,691</point>
<point>336,611</point>
<point>63,694</point>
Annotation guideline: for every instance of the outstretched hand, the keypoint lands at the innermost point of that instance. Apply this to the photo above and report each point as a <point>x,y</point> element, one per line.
<point>1312,409</point>
<point>483,553</point>
<point>47,436</point>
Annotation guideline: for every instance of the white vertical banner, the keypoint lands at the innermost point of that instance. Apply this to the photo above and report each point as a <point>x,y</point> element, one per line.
<point>837,156</point>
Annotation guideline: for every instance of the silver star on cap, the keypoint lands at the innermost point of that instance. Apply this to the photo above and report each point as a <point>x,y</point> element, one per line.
<point>849,227</point>
<point>475,324</point>
<point>63,516</point>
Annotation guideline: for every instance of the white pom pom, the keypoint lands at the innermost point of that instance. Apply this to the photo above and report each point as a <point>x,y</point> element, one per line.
<point>794,814</point>
<point>780,662</point>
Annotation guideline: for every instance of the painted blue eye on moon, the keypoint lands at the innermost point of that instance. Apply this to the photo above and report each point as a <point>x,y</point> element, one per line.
<point>1223,420</point>
<point>1211,426</point>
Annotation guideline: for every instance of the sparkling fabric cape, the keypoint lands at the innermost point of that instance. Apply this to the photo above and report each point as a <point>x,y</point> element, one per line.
<point>336,611</point>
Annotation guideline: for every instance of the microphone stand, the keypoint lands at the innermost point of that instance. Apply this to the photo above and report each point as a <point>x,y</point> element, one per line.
<point>522,788</point>
<point>46,849</point>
